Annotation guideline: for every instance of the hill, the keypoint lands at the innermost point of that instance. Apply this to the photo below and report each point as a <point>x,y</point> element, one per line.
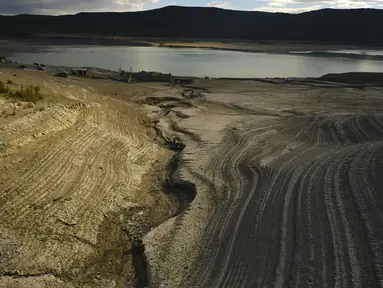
<point>357,25</point>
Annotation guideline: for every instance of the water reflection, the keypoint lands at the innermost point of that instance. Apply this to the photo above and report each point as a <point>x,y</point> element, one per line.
<point>201,62</point>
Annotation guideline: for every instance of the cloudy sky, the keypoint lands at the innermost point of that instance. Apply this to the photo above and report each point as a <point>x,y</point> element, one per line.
<point>56,7</point>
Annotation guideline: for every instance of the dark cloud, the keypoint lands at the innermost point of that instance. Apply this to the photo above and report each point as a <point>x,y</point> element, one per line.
<point>69,6</point>
<point>74,6</point>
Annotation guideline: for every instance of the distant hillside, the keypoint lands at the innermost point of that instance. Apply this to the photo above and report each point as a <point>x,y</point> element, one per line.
<point>359,25</point>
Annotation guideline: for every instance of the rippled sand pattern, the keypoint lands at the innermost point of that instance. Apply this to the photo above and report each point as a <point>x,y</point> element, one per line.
<point>289,180</point>
<point>70,170</point>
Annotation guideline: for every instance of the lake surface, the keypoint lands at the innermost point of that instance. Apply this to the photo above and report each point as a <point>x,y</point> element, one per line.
<point>207,62</point>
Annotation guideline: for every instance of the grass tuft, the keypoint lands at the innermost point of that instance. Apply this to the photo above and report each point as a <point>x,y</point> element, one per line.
<point>30,94</point>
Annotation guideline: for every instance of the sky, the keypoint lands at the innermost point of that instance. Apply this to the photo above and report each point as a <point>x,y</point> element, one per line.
<point>57,7</point>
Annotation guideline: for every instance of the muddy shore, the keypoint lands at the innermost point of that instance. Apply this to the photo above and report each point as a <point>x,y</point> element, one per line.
<point>278,183</point>
<point>288,189</point>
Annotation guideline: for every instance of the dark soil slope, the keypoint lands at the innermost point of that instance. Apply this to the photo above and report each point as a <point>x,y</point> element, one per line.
<point>354,78</point>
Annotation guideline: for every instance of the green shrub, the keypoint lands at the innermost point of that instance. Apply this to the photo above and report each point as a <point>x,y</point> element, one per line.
<point>31,94</point>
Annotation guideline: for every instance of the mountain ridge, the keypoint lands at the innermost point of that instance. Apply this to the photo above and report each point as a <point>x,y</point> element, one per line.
<point>353,25</point>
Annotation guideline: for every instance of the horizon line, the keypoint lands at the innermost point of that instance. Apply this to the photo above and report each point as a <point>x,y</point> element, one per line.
<point>181,6</point>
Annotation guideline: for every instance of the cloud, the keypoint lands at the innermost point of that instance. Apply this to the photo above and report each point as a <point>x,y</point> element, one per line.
<point>56,7</point>
<point>219,4</point>
<point>298,6</point>
<point>287,10</point>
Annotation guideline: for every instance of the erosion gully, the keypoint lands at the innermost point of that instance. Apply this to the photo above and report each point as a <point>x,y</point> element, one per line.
<point>174,186</point>
<point>303,204</point>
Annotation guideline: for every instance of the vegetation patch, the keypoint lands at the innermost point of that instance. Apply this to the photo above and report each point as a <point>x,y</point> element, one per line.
<point>30,93</point>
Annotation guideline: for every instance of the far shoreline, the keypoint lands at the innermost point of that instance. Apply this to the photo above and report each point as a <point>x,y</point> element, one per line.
<point>9,46</point>
<point>347,79</point>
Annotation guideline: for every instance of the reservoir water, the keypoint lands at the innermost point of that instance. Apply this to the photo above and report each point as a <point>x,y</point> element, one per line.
<point>207,62</point>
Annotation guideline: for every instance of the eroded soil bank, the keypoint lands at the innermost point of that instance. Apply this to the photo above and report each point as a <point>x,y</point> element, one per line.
<point>81,177</point>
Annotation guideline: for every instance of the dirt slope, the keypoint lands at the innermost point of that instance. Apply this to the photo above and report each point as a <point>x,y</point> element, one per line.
<point>288,182</point>
<point>74,183</point>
